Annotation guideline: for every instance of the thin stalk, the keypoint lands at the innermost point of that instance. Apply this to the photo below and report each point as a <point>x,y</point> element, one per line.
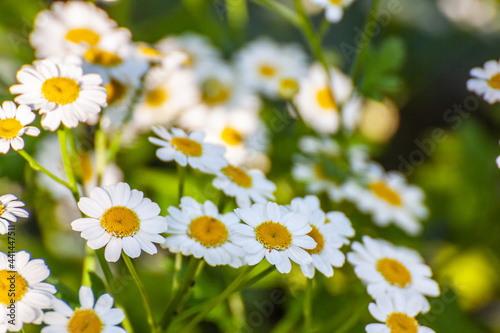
<point>281,10</point>
<point>101,158</point>
<point>38,167</point>
<point>256,278</point>
<point>75,161</point>
<point>88,265</point>
<point>181,173</point>
<point>67,164</point>
<point>308,306</point>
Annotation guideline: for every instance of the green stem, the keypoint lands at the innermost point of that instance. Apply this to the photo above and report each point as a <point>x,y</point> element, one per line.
<point>181,173</point>
<point>67,164</point>
<point>281,10</point>
<point>75,161</point>
<point>88,265</point>
<point>101,159</point>
<point>308,305</point>
<point>256,278</point>
<point>37,167</point>
<point>237,15</point>
<point>140,286</point>
<point>213,304</point>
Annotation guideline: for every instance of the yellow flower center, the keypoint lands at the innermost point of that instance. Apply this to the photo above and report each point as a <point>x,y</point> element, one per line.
<point>238,176</point>
<point>494,81</point>
<point>156,97</point>
<point>2,209</point>
<point>120,221</point>
<point>267,70</point>
<point>103,58</point>
<point>149,51</point>
<point>187,146</point>
<point>318,238</point>
<point>85,321</point>
<point>325,99</point>
<point>384,192</point>
<point>214,92</point>
<point>273,236</point>
<point>288,87</point>
<point>9,128</point>
<point>208,231</point>
<point>231,136</point>
<point>336,2</point>
<point>402,323</point>
<point>116,91</point>
<point>61,90</point>
<point>394,272</point>
<point>79,35</point>
<point>12,287</point>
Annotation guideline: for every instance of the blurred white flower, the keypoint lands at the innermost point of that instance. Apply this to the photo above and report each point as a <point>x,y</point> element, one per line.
<point>10,210</point>
<point>334,9</point>
<point>13,125</point>
<point>485,81</point>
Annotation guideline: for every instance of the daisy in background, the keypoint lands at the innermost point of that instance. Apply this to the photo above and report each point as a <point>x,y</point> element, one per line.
<point>334,9</point>
<point>319,146</point>
<point>119,97</point>
<point>120,219</point>
<point>485,81</point>
<point>384,268</point>
<point>31,296</point>
<point>329,236</point>
<point>10,210</point>
<point>319,98</point>
<point>60,92</point>
<point>273,232</point>
<point>13,125</point>
<point>92,316</point>
<point>199,230</point>
<point>397,313</point>
<point>246,186</point>
<point>388,198</point>
<point>176,145</point>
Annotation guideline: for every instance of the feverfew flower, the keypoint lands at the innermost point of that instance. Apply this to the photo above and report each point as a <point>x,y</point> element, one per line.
<point>246,186</point>
<point>13,125</point>
<point>199,230</point>
<point>31,296</point>
<point>188,149</point>
<point>273,232</point>
<point>120,219</point>
<point>485,81</point>
<point>91,316</point>
<point>9,211</point>
<point>334,9</point>
<point>384,268</point>
<point>60,91</point>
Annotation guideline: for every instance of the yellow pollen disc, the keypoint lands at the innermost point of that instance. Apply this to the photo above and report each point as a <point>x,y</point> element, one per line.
<point>267,70</point>
<point>148,50</point>
<point>231,136</point>
<point>336,2</point>
<point>61,90</point>
<point>318,238</point>
<point>79,35</point>
<point>13,284</point>
<point>103,58</point>
<point>187,146</point>
<point>384,192</point>
<point>214,92</point>
<point>156,97</point>
<point>120,221</point>
<point>85,321</point>
<point>238,176</point>
<point>325,99</point>
<point>208,231</point>
<point>288,88</point>
<point>2,209</point>
<point>9,128</point>
<point>494,81</point>
<point>116,91</point>
<point>402,323</point>
<point>394,272</point>
<point>273,236</point>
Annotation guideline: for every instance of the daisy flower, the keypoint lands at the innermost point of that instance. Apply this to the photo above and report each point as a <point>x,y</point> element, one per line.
<point>188,149</point>
<point>273,232</point>
<point>10,210</point>
<point>334,9</point>
<point>485,81</point>
<point>319,146</point>
<point>246,186</point>
<point>31,296</point>
<point>120,219</point>
<point>119,97</point>
<point>388,198</point>
<point>91,316</point>
<point>397,313</point>
<point>319,98</point>
<point>199,230</point>
<point>329,235</point>
<point>384,268</point>
<point>60,92</point>
<point>13,125</point>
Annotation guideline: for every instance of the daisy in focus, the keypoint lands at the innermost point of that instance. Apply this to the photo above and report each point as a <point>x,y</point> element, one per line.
<point>384,268</point>
<point>334,9</point>
<point>120,219</point>
<point>329,235</point>
<point>60,92</point>
<point>388,198</point>
<point>485,81</point>
<point>273,232</point>
<point>13,125</point>
<point>10,210</point>
<point>188,149</point>
<point>199,230</point>
<point>31,294</point>
<point>92,316</point>
<point>397,313</point>
<point>246,186</point>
